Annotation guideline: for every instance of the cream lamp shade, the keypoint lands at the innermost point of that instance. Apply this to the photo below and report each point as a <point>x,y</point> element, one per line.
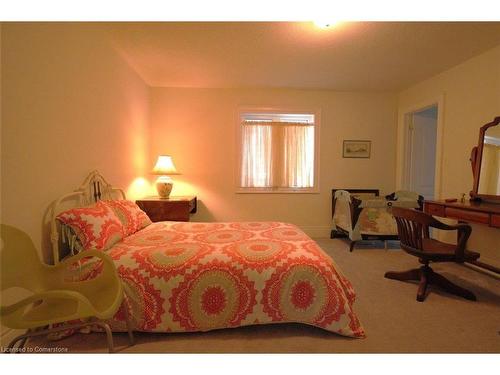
<point>164,166</point>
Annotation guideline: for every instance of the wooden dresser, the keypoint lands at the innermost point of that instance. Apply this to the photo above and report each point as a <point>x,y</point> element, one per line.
<point>479,210</point>
<point>469,211</point>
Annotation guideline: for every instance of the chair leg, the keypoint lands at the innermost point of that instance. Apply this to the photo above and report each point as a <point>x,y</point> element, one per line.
<point>426,276</point>
<point>23,338</point>
<point>351,246</point>
<point>413,274</point>
<point>450,287</point>
<point>109,335</point>
<point>23,342</point>
<point>424,272</point>
<point>39,332</point>
<point>416,274</point>
<point>14,342</point>
<point>129,326</point>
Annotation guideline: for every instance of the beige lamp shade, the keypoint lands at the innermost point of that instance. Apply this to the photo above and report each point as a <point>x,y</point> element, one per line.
<point>164,184</point>
<point>164,166</point>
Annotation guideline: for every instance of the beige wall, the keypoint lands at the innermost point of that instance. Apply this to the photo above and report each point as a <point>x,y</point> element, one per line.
<point>471,94</point>
<point>198,128</point>
<point>70,105</point>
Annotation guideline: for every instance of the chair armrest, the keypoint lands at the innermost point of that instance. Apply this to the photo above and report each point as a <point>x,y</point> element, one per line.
<point>52,294</point>
<point>107,275</point>
<point>434,223</point>
<point>460,227</point>
<point>92,253</point>
<point>86,254</point>
<point>464,232</point>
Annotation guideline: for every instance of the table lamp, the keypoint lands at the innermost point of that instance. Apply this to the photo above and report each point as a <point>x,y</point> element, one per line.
<point>164,166</point>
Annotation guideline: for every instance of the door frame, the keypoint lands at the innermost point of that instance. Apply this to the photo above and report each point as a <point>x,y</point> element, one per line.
<point>403,142</point>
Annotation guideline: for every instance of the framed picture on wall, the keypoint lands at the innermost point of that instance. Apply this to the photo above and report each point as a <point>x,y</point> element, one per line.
<point>356,149</point>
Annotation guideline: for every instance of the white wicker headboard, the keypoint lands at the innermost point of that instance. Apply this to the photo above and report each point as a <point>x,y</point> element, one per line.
<point>93,189</point>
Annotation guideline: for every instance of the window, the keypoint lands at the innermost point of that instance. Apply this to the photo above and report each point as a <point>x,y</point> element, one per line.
<point>278,152</point>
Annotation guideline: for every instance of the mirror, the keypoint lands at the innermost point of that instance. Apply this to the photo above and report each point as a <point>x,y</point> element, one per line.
<point>487,163</point>
<point>489,174</point>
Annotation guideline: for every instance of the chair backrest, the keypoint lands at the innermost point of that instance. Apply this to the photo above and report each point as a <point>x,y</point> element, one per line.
<point>19,261</point>
<point>413,226</point>
<point>413,230</point>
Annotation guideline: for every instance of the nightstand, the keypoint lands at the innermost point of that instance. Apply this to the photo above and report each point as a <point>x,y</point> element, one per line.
<point>170,209</point>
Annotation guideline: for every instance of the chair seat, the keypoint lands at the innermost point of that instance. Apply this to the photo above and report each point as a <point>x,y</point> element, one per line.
<point>58,309</point>
<point>442,251</point>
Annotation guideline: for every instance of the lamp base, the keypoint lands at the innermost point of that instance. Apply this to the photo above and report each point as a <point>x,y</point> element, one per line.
<point>164,186</point>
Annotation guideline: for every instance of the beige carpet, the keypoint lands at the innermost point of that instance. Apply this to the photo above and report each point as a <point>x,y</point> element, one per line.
<point>394,321</point>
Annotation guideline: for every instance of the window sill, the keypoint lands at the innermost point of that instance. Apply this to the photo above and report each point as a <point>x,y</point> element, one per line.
<point>276,191</point>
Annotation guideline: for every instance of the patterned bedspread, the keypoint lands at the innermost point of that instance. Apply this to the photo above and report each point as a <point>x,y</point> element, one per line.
<point>182,277</point>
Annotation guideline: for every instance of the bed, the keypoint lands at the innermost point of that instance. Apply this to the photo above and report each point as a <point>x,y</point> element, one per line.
<point>193,276</point>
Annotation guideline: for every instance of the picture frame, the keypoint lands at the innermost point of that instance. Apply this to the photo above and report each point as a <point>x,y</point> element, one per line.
<point>358,149</point>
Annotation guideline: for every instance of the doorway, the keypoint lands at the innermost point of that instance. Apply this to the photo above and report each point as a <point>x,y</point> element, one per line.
<point>420,154</point>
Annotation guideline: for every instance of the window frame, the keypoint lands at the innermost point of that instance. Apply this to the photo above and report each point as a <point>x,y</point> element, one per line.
<point>315,189</point>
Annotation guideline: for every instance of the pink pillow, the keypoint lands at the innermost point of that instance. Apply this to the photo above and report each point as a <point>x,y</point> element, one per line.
<point>131,216</point>
<point>97,226</point>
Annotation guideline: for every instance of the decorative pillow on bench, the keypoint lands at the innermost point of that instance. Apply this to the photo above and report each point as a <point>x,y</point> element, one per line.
<point>97,226</point>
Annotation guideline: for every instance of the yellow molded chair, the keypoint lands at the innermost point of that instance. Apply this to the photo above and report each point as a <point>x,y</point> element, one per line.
<point>56,298</point>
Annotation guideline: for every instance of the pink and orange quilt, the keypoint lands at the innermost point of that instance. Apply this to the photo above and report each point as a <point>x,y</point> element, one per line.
<point>185,277</point>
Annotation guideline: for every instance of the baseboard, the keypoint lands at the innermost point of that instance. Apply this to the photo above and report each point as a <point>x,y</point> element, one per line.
<point>316,231</point>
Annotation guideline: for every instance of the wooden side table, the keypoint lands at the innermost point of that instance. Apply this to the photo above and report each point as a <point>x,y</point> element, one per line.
<point>170,209</point>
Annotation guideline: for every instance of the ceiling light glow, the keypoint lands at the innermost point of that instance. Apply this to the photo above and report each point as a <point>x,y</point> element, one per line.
<point>325,24</point>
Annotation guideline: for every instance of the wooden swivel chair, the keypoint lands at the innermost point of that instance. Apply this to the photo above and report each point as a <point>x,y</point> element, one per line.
<point>413,229</point>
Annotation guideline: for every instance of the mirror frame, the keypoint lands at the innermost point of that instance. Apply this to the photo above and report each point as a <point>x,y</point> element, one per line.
<point>476,156</point>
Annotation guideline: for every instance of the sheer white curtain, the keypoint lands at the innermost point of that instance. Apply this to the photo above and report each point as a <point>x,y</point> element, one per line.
<point>277,155</point>
<point>298,156</point>
<point>256,158</point>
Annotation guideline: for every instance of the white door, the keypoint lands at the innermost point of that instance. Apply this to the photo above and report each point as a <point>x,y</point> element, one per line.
<point>422,145</point>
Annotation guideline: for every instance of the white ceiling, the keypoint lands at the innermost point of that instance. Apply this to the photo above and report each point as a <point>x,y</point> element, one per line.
<point>349,56</point>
